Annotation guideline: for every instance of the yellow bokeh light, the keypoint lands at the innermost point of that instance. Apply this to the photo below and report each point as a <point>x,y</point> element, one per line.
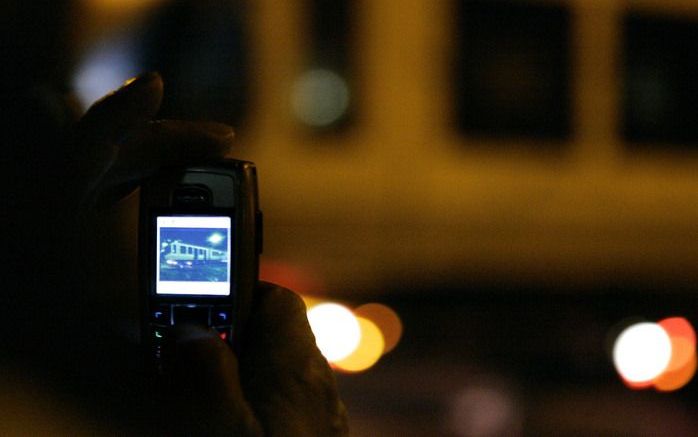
<point>309,301</point>
<point>387,321</point>
<point>367,353</point>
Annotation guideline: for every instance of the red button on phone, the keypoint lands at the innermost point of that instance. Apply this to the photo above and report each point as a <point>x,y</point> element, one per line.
<point>224,334</point>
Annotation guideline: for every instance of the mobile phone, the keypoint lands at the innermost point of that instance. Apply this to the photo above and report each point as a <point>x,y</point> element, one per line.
<point>200,240</point>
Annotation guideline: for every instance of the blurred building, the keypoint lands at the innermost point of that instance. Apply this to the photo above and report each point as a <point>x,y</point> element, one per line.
<point>472,141</point>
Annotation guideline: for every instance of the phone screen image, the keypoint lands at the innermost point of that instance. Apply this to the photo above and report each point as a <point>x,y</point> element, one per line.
<point>193,255</point>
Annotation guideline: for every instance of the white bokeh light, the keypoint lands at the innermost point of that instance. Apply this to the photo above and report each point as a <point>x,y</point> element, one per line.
<point>320,97</point>
<point>642,352</point>
<point>104,68</point>
<point>337,332</point>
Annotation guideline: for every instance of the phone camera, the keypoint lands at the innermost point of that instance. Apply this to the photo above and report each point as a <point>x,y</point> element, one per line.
<point>191,195</point>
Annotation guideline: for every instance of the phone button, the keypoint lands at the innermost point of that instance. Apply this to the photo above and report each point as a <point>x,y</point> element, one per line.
<point>222,315</point>
<point>157,356</point>
<point>158,334</point>
<point>225,333</point>
<point>198,315</point>
<point>160,315</point>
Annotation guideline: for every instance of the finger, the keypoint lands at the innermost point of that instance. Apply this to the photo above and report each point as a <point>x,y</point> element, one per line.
<point>286,380</point>
<point>132,105</point>
<point>205,385</point>
<point>161,144</point>
<point>94,147</point>
<point>172,143</point>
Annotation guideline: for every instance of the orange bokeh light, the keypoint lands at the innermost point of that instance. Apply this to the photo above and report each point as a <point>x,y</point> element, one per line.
<point>679,327</point>
<point>367,353</point>
<point>682,352</point>
<point>675,379</point>
<point>387,321</point>
<point>682,365</point>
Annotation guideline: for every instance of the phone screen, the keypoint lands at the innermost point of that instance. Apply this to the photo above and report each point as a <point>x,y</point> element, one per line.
<point>193,255</point>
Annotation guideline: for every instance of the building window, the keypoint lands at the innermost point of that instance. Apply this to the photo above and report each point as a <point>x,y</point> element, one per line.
<point>659,81</point>
<point>512,69</point>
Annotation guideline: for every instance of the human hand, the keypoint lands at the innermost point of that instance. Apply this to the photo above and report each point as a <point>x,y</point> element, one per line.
<point>114,147</point>
<point>280,385</point>
<point>63,209</point>
<point>117,143</point>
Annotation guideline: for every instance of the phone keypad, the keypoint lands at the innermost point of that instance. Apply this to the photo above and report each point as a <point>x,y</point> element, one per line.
<point>164,316</point>
<point>158,334</point>
<point>158,337</point>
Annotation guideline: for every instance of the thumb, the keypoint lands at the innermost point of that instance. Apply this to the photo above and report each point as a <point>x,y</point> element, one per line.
<point>205,387</point>
<point>287,380</point>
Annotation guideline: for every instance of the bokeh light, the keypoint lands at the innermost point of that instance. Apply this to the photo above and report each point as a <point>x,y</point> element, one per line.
<point>683,341</point>
<point>299,278</point>
<point>642,352</point>
<point>368,352</point>
<point>336,329</point>
<point>386,320</point>
<point>485,409</point>
<point>310,301</point>
<point>674,380</point>
<point>320,97</point>
<point>682,365</point>
<point>352,340</point>
<point>104,68</point>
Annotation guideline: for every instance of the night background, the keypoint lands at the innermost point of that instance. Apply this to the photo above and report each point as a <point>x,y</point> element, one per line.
<point>496,189</point>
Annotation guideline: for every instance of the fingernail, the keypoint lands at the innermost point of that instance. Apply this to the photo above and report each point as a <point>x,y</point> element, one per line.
<point>140,80</point>
<point>133,85</point>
